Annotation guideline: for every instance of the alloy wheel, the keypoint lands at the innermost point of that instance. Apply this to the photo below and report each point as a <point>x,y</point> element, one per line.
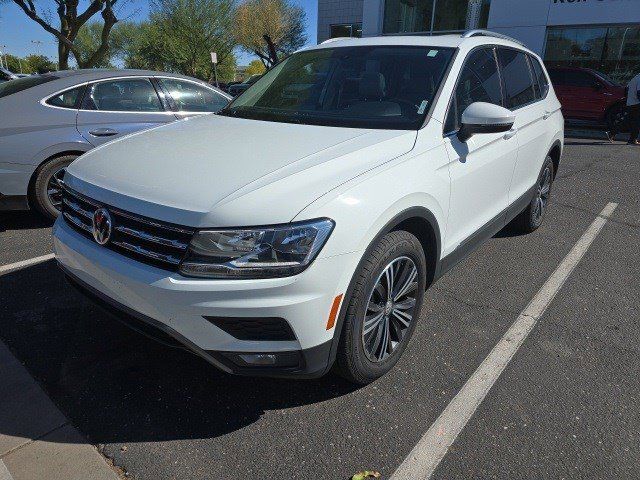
<point>54,188</point>
<point>390,309</point>
<point>542,198</point>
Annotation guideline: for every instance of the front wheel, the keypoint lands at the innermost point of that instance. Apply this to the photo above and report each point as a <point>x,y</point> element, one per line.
<point>383,308</point>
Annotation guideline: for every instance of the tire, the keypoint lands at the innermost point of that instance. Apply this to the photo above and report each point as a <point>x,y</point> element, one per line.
<point>614,117</point>
<point>357,360</point>
<point>43,195</point>
<point>531,217</point>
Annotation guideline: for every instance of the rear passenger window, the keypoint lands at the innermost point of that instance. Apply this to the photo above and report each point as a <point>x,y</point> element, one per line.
<point>479,82</point>
<point>127,95</point>
<point>542,84</point>
<point>518,81</point>
<point>577,78</point>
<point>68,99</point>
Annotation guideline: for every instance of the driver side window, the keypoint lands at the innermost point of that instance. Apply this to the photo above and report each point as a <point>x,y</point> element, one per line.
<point>479,81</point>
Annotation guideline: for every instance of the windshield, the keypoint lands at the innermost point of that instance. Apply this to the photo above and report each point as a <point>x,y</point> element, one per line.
<point>20,84</point>
<point>388,87</point>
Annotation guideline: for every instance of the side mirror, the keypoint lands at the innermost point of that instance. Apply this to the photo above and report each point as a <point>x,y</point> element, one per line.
<point>481,117</point>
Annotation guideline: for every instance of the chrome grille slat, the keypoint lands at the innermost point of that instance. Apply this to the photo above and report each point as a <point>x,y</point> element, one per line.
<point>146,240</point>
<point>77,222</point>
<point>78,209</point>
<point>147,253</point>
<point>151,238</point>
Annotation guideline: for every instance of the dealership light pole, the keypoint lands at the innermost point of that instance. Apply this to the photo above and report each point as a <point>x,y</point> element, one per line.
<point>214,60</point>
<point>3,53</point>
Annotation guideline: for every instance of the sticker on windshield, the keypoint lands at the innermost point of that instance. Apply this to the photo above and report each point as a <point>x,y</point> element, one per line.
<point>432,53</point>
<point>423,107</point>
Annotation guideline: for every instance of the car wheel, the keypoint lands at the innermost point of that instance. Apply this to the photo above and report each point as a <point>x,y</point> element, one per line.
<point>47,188</point>
<point>383,308</point>
<point>531,217</point>
<point>614,117</point>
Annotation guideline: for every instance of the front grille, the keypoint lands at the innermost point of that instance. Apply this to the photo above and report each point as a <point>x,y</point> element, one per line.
<point>146,240</point>
<point>250,328</point>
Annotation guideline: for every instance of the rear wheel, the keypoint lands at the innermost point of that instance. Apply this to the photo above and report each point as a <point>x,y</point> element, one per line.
<point>531,217</point>
<point>47,188</point>
<point>383,308</point>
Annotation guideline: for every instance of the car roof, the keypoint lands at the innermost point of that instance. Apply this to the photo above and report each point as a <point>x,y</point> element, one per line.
<point>442,41</point>
<point>101,73</point>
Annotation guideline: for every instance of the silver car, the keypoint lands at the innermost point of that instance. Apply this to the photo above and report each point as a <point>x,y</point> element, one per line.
<point>47,121</point>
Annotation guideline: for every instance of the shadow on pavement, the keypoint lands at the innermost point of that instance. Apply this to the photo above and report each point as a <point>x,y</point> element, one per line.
<point>22,220</point>
<point>118,386</point>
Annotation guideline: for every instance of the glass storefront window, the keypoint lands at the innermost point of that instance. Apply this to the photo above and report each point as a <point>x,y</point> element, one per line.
<point>428,16</point>
<point>612,50</point>
<point>346,30</point>
<point>403,16</point>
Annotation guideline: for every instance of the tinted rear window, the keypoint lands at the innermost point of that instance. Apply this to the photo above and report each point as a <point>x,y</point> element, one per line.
<point>20,84</point>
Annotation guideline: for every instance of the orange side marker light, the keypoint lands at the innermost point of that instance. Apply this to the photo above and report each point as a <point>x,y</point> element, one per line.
<point>334,312</point>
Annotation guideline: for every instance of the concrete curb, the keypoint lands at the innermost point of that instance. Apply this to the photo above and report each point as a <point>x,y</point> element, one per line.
<point>36,439</point>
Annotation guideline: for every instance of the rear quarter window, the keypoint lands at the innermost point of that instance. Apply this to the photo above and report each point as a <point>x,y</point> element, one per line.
<point>67,99</point>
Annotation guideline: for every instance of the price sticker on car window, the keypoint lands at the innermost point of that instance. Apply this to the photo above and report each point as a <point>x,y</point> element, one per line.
<point>422,107</point>
<point>432,53</point>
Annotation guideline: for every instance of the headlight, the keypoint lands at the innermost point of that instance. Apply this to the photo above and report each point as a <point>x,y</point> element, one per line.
<point>259,252</point>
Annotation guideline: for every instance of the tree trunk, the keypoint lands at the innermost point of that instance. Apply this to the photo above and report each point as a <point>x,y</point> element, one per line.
<point>63,56</point>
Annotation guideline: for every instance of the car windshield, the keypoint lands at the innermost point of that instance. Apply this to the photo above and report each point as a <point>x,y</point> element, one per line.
<point>389,87</point>
<point>20,84</point>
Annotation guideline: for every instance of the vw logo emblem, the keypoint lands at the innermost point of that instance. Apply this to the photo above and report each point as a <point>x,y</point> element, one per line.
<point>101,223</point>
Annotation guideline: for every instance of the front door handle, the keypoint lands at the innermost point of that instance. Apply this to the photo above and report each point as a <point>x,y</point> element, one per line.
<point>103,132</point>
<point>546,115</point>
<point>510,133</point>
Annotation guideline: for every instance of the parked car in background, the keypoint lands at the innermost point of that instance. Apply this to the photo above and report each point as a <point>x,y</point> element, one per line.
<point>587,95</point>
<point>301,226</point>
<point>6,75</point>
<point>49,120</point>
<point>238,88</point>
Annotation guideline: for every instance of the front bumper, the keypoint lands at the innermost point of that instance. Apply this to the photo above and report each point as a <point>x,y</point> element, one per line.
<point>177,306</point>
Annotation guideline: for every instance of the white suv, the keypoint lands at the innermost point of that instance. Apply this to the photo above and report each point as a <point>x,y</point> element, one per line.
<point>299,229</point>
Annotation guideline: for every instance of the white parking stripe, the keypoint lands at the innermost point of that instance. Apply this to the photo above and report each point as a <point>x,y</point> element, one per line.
<point>25,263</point>
<point>4,472</point>
<point>433,446</point>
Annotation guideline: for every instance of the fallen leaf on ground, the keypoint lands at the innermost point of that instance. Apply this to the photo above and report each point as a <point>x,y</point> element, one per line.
<point>366,474</point>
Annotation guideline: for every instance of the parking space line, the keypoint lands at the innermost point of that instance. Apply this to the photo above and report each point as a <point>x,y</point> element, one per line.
<point>12,267</point>
<point>425,457</point>
<point>4,472</point>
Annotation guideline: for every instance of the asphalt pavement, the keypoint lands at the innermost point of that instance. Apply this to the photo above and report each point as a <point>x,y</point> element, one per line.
<point>566,406</point>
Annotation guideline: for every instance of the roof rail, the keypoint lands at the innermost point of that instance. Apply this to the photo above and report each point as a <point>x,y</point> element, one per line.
<point>489,33</point>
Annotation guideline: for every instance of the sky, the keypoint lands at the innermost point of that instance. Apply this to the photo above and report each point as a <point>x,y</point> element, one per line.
<point>18,32</point>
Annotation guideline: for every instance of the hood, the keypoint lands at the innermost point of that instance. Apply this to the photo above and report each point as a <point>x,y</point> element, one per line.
<point>183,171</point>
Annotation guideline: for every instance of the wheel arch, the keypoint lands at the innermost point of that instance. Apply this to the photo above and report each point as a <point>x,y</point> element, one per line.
<point>555,152</point>
<point>34,175</point>
<point>418,221</point>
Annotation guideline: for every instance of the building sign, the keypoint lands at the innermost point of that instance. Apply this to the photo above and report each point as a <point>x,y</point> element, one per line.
<point>567,12</point>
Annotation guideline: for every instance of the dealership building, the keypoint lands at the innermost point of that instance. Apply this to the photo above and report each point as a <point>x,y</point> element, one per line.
<point>599,34</point>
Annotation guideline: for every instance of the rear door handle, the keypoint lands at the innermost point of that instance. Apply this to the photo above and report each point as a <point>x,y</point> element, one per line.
<point>510,133</point>
<point>103,132</point>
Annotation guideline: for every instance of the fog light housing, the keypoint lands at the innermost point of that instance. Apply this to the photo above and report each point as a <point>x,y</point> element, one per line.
<point>265,360</point>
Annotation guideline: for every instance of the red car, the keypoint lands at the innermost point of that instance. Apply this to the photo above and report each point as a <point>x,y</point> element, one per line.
<point>588,95</point>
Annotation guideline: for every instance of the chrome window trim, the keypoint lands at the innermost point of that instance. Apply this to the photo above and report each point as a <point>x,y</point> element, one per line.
<point>43,101</point>
<point>91,83</point>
